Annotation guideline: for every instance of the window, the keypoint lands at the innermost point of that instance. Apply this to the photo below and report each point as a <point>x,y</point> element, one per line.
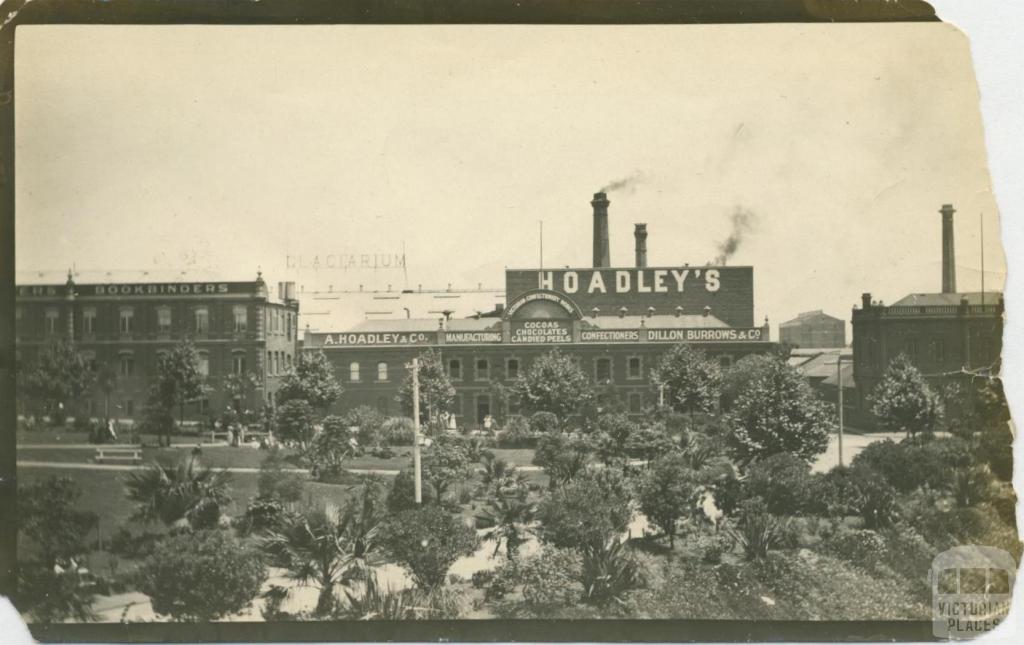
<point>512,368</point>
<point>127,325</point>
<point>382,371</point>
<point>288,362</point>
<point>288,322</point>
<point>455,369</point>
<point>636,402</point>
<point>52,315</point>
<point>241,319</point>
<point>202,320</point>
<point>603,369</point>
<point>163,320</point>
<point>238,363</point>
<point>127,365</point>
<point>483,369</point>
<point>270,362</point>
<point>128,406</point>
<point>89,321</point>
<point>203,363</point>
<point>910,347</point>
<point>938,350</point>
<point>353,372</point>
<point>634,368</point>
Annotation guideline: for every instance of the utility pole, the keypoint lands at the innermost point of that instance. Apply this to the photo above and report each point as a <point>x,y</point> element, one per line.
<point>839,382</point>
<point>416,429</point>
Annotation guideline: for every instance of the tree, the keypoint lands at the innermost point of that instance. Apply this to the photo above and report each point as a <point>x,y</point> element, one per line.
<point>783,481</point>
<point>58,375</point>
<point>312,380</point>
<point>649,441</point>
<point>778,412</point>
<point>49,587</point>
<point>327,549</point>
<point>614,431</point>
<point>427,541</point>
<point>902,400</point>
<point>188,492</point>
<point>329,449</point>
<point>561,457</point>
<point>294,421</point>
<point>178,381</point>
<point>447,463</point>
<point>587,511</point>
<point>554,383</point>
<point>511,516</point>
<point>201,577</point>
<point>667,492</point>
<point>275,482</point>
<point>743,372</point>
<point>691,380</point>
<point>437,394</point>
<point>402,495</point>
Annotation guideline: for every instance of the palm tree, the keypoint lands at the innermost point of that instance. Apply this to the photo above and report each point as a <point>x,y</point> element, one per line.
<point>512,515</point>
<point>185,492</point>
<point>327,548</point>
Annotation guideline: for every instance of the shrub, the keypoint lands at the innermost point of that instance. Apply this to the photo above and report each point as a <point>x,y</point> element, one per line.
<point>129,545</point>
<point>201,576</point>
<point>911,464</point>
<point>402,495</point>
<point>262,514</point>
<point>667,491</point>
<point>294,420</point>
<point>586,512</point>
<point>562,458</point>
<point>783,481</point>
<point>397,431</point>
<point>427,541</point>
<point>274,482</point>
<point>758,531</point>
<point>608,571</point>
<point>369,422</point>
<point>649,441</point>
<point>516,434</point>
<point>903,401</point>
<point>543,422</point>
<point>856,491</point>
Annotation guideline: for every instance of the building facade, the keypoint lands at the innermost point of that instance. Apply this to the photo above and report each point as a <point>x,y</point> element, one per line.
<point>616,323</point>
<point>813,329</point>
<point>242,334</point>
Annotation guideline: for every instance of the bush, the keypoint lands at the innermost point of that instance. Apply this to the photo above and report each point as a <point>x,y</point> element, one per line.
<point>758,531</point>
<point>913,463</point>
<point>586,512</point>
<point>397,431</point>
<point>402,495</point>
<point>856,491</point>
<point>369,422</point>
<point>562,458</point>
<point>201,576</point>
<point>783,481</point>
<point>608,572</point>
<point>129,545</point>
<point>274,482</point>
<point>294,421</point>
<point>262,514</point>
<point>544,422</point>
<point>517,434</point>
<point>427,541</point>
<point>667,492</point>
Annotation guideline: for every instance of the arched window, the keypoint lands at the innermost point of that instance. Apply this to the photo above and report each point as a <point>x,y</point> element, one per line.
<point>353,371</point>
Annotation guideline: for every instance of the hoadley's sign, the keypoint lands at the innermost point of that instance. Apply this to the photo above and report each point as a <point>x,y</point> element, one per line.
<point>630,280</point>
<point>541,331</point>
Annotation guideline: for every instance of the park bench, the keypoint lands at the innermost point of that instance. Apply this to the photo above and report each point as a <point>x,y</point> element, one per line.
<point>131,454</point>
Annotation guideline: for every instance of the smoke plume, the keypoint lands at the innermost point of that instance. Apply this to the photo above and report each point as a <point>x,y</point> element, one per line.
<point>743,222</point>
<point>627,183</point>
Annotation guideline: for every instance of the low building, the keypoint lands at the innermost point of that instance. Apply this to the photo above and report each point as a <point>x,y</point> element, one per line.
<point>238,328</point>
<point>813,329</point>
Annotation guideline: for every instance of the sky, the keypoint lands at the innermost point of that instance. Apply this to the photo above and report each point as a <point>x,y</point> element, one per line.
<point>221,150</point>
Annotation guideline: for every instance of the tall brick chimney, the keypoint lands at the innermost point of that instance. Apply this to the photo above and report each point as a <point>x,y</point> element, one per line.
<point>640,234</point>
<point>948,253</point>
<point>601,252</point>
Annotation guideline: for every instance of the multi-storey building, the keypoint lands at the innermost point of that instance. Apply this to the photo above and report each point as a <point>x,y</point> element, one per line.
<point>615,322</point>
<point>241,333</point>
<point>813,329</point>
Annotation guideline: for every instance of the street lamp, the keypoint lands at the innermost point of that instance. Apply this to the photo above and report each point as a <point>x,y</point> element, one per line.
<point>839,387</point>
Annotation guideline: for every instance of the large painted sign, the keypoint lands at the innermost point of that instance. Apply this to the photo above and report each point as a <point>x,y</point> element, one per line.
<point>471,337</point>
<point>729,291</point>
<point>141,289</point>
<point>540,331</point>
<point>752,334</point>
<point>362,339</point>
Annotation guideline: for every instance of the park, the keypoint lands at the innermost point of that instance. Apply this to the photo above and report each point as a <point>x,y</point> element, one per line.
<point>727,500</point>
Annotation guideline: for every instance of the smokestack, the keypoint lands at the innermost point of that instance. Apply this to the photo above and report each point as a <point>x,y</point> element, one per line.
<point>640,235</point>
<point>601,253</point>
<point>948,254</point>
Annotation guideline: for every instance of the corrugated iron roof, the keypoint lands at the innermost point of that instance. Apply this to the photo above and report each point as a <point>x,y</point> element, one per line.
<point>927,299</point>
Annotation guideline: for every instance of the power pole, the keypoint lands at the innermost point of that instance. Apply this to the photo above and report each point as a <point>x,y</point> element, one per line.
<point>839,379</point>
<point>416,429</point>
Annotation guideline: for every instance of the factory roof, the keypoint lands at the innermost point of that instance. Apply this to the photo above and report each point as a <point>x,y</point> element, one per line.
<point>657,321</point>
<point>808,315</point>
<point>929,299</point>
<point>331,311</point>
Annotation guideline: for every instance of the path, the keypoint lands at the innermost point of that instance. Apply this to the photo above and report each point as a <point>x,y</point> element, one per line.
<point>235,469</point>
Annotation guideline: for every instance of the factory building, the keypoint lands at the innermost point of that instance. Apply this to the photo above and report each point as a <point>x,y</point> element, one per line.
<point>615,322</point>
<point>121,328</point>
<point>813,329</point>
<point>947,335</point>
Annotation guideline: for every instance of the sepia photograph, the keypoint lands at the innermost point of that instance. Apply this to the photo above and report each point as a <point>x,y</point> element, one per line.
<point>343,323</point>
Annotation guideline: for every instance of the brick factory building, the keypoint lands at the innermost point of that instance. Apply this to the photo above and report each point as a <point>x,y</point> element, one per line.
<point>616,322</point>
<point>238,328</point>
<point>947,335</point>
<point>813,329</point>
